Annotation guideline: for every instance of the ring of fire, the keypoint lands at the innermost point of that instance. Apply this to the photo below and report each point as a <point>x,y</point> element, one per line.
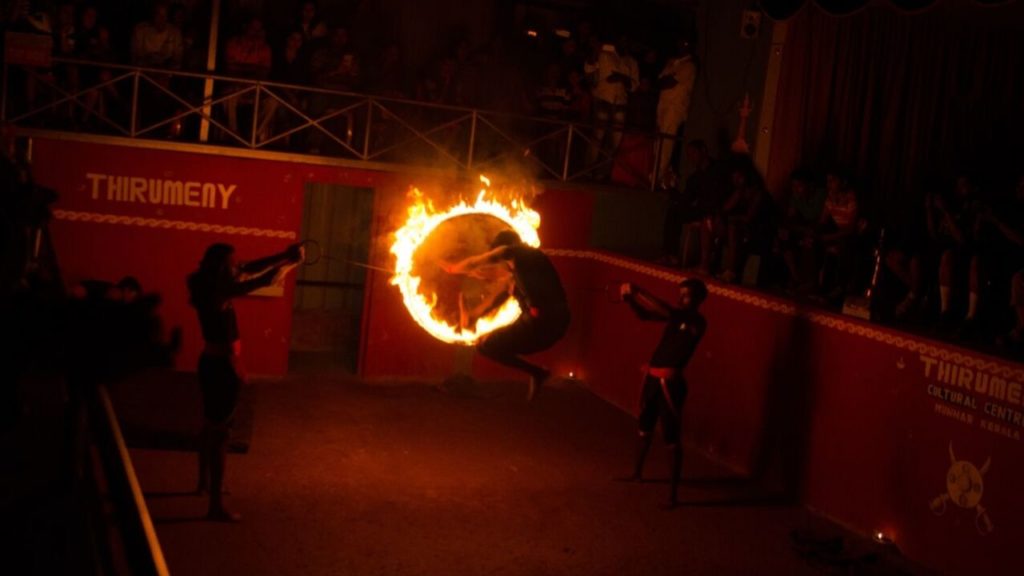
<point>422,220</point>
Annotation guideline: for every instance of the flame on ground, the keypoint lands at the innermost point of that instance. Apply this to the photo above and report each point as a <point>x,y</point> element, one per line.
<point>422,220</point>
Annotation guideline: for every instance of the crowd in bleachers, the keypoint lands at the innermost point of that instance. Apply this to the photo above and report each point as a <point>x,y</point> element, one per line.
<point>566,73</point>
<point>954,269</point>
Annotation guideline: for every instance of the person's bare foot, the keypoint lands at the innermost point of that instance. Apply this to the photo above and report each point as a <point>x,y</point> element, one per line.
<point>536,382</point>
<point>221,514</point>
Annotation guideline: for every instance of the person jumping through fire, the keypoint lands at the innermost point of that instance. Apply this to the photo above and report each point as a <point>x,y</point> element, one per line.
<point>664,388</point>
<point>536,286</point>
<point>211,288</point>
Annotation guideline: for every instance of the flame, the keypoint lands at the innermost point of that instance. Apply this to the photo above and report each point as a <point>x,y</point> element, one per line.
<point>423,218</point>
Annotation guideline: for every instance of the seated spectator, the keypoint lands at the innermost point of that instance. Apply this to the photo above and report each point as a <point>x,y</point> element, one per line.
<point>1000,239</point>
<point>909,259</point>
<point>747,219</point>
<point>797,233</point>
<point>837,232</point>
<point>950,221</point>
<point>248,55</point>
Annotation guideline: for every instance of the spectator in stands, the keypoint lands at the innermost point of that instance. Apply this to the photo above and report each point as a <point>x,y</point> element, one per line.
<point>703,194</point>
<point>950,221</point>
<point>193,52</point>
<point>1000,232</point>
<point>796,234</point>
<point>94,45</point>
<point>440,85</point>
<point>389,77</point>
<point>748,219</point>
<point>334,67</point>
<point>615,75</point>
<point>248,55</point>
<point>310,25</point>
<point>551,101</point>
<point>676,85</point>
<point>290,66</point>
<point>157,43</point>
<point>65,37</point>
<point>837,230</point>
<point>571,57</point>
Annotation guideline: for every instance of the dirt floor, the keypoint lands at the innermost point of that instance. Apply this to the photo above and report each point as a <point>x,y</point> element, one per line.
<point>347,478</point>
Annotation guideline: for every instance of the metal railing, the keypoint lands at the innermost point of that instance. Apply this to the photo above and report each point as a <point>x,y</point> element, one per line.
<point>133,102</point>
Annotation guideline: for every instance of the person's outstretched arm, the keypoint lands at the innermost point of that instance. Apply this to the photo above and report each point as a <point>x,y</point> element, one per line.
<point>644,304</point>
<point>259,266</point>
<point>473,262</point>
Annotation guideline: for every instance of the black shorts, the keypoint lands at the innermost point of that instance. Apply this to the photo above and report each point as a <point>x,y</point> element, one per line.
<point>525,336</point>
<point>220,384</point>
<point>654,405</point>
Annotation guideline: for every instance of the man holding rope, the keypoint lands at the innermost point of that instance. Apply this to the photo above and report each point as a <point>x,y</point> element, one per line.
<point>664,388</point>
<point>538,289</point>
<point>211,288</point>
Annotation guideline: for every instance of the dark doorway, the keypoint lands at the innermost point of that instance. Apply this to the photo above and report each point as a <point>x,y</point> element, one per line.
<point>328,308</point>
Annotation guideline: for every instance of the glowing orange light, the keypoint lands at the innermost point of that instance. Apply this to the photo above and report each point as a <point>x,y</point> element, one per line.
<point>423,218</point>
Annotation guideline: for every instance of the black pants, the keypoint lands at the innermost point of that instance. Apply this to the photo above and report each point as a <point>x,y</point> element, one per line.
<point>220,384</point>
<point>524,336</point>
<point>655,404</point>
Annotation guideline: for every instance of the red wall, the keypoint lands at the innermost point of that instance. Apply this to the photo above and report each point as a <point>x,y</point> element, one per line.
<point>161,244</point>
<point>843,409</point>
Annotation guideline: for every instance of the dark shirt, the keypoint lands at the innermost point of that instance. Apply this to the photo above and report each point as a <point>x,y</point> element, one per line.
<point>703,190</point>
<point>212,301</point>
<point>538,287</point>
<point>683,331</point>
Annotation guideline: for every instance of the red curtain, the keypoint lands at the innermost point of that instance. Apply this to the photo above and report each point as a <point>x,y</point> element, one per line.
<point>902,101</point>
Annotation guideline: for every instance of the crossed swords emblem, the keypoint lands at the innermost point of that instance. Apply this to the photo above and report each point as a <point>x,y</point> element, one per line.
<point>964,487</point>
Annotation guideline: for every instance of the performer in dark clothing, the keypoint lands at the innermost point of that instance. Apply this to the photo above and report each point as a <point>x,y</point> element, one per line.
<point>212,287</point>
<point>538,289</point>
<point>664,386</point>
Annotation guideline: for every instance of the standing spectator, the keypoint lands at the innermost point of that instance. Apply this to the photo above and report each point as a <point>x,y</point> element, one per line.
<point>310,25</point>
<point>248,56</point>
<point>334,67</point>
<point>290,66</point>
<point>157,43</point>
<point>837,230</point>
<point>65,36</point>
<point>615,75</point>
<point>94,45</point>
<point>676,85</point>
<point>796,235</point>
